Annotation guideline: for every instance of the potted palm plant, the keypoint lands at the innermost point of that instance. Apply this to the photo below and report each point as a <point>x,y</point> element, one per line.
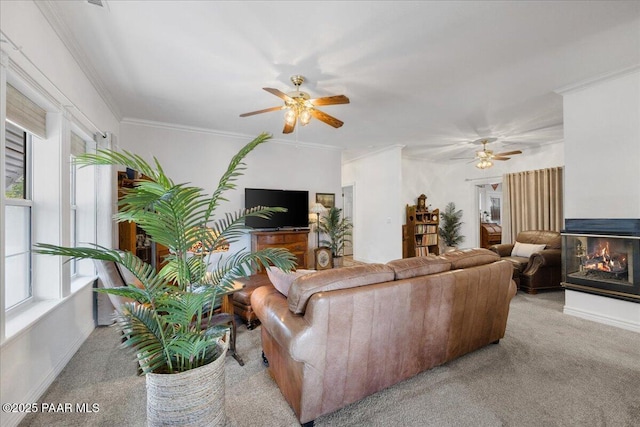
<point>167,321</point>
<point>450,227</point>
<point>338,232</point>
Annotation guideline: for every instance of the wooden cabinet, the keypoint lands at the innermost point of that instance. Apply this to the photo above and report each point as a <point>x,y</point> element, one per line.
<point>490,234</point>
<point>296,241</point>
<point>133,239</point>
<point>422,229</point>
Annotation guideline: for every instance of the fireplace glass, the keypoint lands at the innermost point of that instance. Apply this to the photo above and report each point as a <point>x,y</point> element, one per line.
<point>602,264</point>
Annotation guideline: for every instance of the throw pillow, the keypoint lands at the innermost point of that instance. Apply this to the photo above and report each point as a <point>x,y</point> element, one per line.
<point>282,281</point>
<point>525,250</point>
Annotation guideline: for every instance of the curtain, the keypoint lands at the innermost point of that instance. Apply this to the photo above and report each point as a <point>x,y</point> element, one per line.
<point>532,200</point>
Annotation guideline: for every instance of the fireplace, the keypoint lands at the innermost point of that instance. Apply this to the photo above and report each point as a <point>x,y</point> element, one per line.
<point>602,256</point>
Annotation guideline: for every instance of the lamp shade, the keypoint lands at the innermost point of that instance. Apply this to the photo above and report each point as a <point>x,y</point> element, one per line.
<point>318,208</point>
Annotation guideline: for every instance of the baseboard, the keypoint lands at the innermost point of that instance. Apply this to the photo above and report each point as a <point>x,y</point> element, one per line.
<point>13,419</point>
<point>600,318</point>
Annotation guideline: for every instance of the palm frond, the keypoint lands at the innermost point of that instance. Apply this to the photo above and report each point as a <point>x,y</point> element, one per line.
<point>168,324</point>
<point>242,264</point>
<point>233,171</point>
<point>190,350</point>
<point>146,333</point>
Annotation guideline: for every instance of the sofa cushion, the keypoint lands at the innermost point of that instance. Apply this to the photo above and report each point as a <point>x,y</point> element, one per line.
<point>337,278</point>
<point>282,281</point>
<point>470,257</point>
<point>519,263</point>
<point>525,250</point>
<point>407,268</point>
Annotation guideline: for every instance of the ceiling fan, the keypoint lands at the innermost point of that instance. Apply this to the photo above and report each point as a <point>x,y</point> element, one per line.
<point>300,106</point>
<point>485,157</point>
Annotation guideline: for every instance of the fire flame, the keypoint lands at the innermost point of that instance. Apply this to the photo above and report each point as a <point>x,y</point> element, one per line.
<point>602,259</point>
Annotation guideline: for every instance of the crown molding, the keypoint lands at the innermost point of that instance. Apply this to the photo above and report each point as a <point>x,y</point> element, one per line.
<point>574,87</point>
<point>232,135</point>
<point>58,25</point>
<point>374,152</point>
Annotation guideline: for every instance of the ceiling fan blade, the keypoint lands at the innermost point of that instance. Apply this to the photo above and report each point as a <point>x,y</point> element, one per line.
<point>279,94</point>
<point>509,153</point>
<point>288,128</point>
<point>500,158</point>
<point>330,100</point>
<point>266,110</point>
<point>324,117</point>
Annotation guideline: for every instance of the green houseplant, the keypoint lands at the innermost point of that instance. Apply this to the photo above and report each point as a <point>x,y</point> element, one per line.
<point>167,321</point>
<point>338,231</point>
<point>450,226</point>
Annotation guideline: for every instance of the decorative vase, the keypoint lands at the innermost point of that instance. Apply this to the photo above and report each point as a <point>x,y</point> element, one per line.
<point>337,261</point>
<point>193,398</point>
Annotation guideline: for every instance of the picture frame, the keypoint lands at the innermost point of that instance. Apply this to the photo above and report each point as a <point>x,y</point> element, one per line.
<point>323,258</point>
<point>328,200</point>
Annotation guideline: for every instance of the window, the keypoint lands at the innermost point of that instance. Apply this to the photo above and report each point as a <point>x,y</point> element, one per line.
<point>18,213</point>
<point>73,214</point>
<point>77,147</point>
<point>82,214</point>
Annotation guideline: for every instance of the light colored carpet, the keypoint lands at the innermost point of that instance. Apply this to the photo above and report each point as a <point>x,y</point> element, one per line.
<point>550,370</point>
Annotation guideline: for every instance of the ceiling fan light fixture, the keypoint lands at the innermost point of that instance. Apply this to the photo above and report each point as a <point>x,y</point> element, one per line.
<point>305,117</point>
<point>484,164</point>
<point>300,107</point>
<point>290,116</point>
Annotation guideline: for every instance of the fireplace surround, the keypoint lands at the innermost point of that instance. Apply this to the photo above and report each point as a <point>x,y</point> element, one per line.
<point>602,257</point>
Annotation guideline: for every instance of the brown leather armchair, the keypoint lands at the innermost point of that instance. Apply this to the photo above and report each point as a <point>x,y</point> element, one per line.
<point>542,269</point>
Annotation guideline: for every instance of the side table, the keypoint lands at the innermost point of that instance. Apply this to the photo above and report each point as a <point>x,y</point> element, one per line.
<point>226,316</point>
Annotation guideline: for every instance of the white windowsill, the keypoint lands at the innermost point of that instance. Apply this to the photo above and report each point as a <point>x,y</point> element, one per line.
<point>24,318</point>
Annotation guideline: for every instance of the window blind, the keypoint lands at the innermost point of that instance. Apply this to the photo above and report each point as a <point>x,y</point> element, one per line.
<point>26,113</point>
<point>15,154</point>
<point>78,145</point>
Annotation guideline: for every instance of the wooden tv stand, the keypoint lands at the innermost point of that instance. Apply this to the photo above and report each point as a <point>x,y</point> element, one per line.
<point>296,241</point>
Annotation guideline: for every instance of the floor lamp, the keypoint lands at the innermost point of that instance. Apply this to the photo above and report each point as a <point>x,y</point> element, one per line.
<point>317,209</point>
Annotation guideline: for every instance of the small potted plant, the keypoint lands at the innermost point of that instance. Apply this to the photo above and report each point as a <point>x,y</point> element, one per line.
<point>450,225</point>
<point>338,232</point>
<point>167,321</point>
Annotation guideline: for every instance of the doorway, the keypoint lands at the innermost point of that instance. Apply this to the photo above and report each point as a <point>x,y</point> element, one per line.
<point>489,205</point>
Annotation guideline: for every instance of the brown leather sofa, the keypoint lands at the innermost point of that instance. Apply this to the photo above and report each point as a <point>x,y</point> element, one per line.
<point>343,334</point>
<point>541,270</point>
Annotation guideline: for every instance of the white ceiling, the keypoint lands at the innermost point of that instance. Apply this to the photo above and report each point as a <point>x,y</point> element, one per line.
<point>431,76</point>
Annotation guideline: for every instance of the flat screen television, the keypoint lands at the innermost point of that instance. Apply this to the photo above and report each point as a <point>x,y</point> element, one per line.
<point>296,203</point>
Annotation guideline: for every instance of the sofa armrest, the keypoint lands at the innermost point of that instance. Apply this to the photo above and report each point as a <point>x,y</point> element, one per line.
<point>544,258</point>
<point>503,249</point>
<point>285,327</point>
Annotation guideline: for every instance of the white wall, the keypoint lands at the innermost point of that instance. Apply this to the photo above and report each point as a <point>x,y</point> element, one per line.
<point>445,182</point>
<point>31,358</point>
<point>200,157</point>
<point>602,134</point>
<point>378,208</point>
<point>602,173</point>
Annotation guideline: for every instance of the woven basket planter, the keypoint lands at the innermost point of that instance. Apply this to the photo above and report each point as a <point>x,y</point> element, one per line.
<point>191,398</point>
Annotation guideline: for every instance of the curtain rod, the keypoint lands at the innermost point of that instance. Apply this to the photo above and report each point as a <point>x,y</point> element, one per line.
<point>480,179</point>
<point>15,47</point>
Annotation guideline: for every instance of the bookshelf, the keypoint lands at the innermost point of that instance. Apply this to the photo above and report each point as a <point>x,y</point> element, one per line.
<point>133,239</point>
<point>422,229</point>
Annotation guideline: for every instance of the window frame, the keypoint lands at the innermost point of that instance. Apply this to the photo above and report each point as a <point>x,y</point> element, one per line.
<point>27,202</point>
